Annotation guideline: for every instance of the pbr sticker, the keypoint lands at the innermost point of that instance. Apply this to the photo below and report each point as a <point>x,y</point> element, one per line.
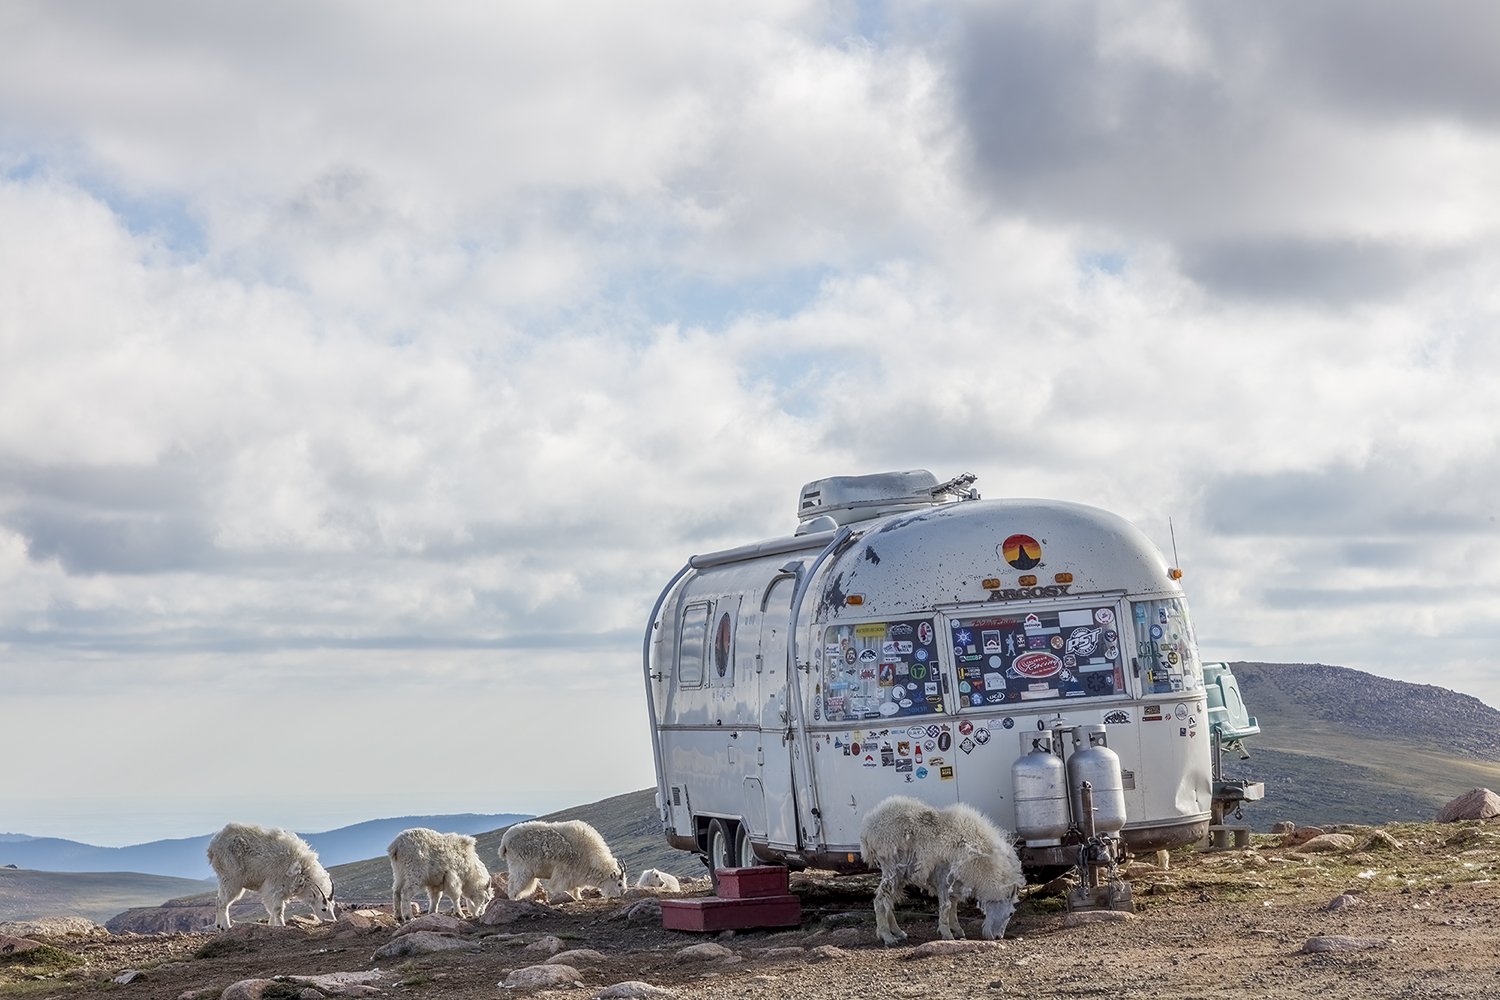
<point>966,727</point>
<point>1104,616</point>
<point>1022,552</point>
<point>1007,723</point>
<point>1117,719</point>
<point>967,746</point>
<point>1036,665</point>
<point>924,633</point>
<point>981,736</point>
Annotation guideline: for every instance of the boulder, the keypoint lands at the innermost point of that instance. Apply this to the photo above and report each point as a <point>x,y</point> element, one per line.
<point>424,943</point>
<point>1339,942</point>
<point>12,946</point>
<point>540,977</point>
<point>632,989</point>
<point>1328,843</point>
<point>576,956</point>
<point>934,949</point>
<point>708,951</point>
<point>508,911</point>
<point>1301,835</point>
<point>1477,803</point>
<point>442,923</point>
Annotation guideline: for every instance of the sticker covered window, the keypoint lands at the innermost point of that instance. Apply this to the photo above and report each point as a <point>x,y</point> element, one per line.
<point>880,670</point>
<point>1008,659</point>
<point>1166,647</point>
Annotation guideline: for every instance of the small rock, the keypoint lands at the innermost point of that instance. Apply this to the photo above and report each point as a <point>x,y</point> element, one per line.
<point>1301,835</point>
<point>1477,803</point>
<point>1338,942</point>
<point>1380,841</point>
<point>642,911</point>
<point>441,923</point>
<point>339,984</point>
<point>548,945</point>
<point>832,920</point>
<point>708,951</point>
<point>248,989</point>
<point>1327,843</point>
<point>1343,902</point>
<point>847,936</point>
<point>1083,917</point>
<point>1283,826</point>
<point>631,989</point>
<point>129,976</point>
<point>931,949</point>
<point>424,943</point>
<point>786,951</point>
<point>576,956</point>
<point>826,952</point>
<point>508,911</point>
<point>535,977</point>
<point>202,993</point>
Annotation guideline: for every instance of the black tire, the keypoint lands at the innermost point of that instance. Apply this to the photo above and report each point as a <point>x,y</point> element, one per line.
<point>720,844</point>
<point>744,854</point>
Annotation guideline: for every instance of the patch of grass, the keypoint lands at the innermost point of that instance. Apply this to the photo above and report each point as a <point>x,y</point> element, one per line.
<point>45,960</point>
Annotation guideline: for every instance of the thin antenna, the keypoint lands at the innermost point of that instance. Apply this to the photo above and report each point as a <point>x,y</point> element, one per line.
<point>1175,561</point>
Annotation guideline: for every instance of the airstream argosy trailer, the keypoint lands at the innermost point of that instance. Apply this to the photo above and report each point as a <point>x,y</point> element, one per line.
<point>911,638</point>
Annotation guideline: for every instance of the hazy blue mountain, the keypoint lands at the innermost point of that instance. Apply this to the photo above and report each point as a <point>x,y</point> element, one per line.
<point>185,858</point>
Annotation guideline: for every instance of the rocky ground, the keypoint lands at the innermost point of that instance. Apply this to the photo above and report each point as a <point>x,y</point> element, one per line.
<point>1401,911</point>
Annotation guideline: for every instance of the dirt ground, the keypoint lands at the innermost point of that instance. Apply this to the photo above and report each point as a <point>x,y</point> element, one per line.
<point>1417,913</point>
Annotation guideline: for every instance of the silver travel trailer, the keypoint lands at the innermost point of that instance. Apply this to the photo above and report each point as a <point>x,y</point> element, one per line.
<point>913,638</point>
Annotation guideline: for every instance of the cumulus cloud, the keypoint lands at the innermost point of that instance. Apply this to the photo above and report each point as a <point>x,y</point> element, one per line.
<point>389,362</point>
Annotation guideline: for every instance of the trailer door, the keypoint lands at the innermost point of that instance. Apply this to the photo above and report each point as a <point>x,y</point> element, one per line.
<point>774,816</point>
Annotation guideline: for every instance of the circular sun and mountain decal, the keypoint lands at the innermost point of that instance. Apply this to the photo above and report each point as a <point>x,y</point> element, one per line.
<point>1021,551</point>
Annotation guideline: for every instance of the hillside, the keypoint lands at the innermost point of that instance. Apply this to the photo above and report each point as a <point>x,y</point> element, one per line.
<point>1341,745</point>
<point>29,895</point>
<point>185,858</point>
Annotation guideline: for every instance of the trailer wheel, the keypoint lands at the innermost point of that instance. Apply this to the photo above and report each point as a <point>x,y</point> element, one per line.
<point>720,847</point>
<point>744,851</point>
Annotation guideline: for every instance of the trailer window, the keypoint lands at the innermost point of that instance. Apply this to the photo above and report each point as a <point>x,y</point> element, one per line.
<point>1166,647</point>
<point>881,669</point>
<point>693,645</point>
<point>1008,659</point>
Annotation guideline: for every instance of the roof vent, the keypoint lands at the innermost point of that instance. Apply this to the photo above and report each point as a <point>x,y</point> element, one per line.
<point>844,499</point>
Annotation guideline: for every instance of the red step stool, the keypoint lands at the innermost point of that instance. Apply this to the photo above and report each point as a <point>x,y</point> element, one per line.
<point>748,898</point>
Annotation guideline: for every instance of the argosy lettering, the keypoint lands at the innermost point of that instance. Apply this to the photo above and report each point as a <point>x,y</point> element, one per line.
<point>1030,593</point>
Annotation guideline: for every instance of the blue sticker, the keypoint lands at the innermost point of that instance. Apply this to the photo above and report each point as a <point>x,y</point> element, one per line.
<point>1008,723</point>
<point>921,772</point>
<point>1156,631</point>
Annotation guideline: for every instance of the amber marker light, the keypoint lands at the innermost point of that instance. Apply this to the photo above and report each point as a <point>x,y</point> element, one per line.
<point>855,599</point>
<point>1174,573</point>
<point>990,583</point>
<point>1028,581</point>
<point>1063,578</point>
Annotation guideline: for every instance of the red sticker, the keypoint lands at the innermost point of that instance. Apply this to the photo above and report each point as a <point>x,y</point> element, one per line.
<point>1037,665</point>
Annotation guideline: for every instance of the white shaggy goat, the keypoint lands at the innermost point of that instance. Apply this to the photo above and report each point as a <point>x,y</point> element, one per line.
<point>955,852</point>
<point>277,864</point>
<point>655,877</point>
<point>563,856</point>
<point>440,863</point>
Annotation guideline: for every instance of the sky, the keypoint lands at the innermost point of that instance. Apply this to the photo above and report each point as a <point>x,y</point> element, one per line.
<point>366,369</point>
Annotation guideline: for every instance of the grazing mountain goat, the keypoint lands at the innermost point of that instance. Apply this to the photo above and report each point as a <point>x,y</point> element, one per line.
<point>955,852</point>
<point>655,877</point>
<point>563,856</point>
<point>277,864</point>
<point>438,862</point>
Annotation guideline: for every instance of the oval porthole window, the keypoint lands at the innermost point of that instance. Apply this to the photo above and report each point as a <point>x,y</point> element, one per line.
<point>721,644</point>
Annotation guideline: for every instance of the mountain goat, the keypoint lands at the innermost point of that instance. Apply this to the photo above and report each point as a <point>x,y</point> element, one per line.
<point>656,878</point>
<point>277,864</point>
<point>438,862</point>
<point>955,852</point>
<point>563,856</point>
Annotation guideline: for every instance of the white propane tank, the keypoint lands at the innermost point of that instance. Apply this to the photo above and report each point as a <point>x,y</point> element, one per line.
<point>1039,779</point>
<point>1093,761</point>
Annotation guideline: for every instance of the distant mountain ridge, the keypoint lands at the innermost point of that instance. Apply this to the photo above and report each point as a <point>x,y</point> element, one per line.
<point>1339,745</point>
<point>186,858</point>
